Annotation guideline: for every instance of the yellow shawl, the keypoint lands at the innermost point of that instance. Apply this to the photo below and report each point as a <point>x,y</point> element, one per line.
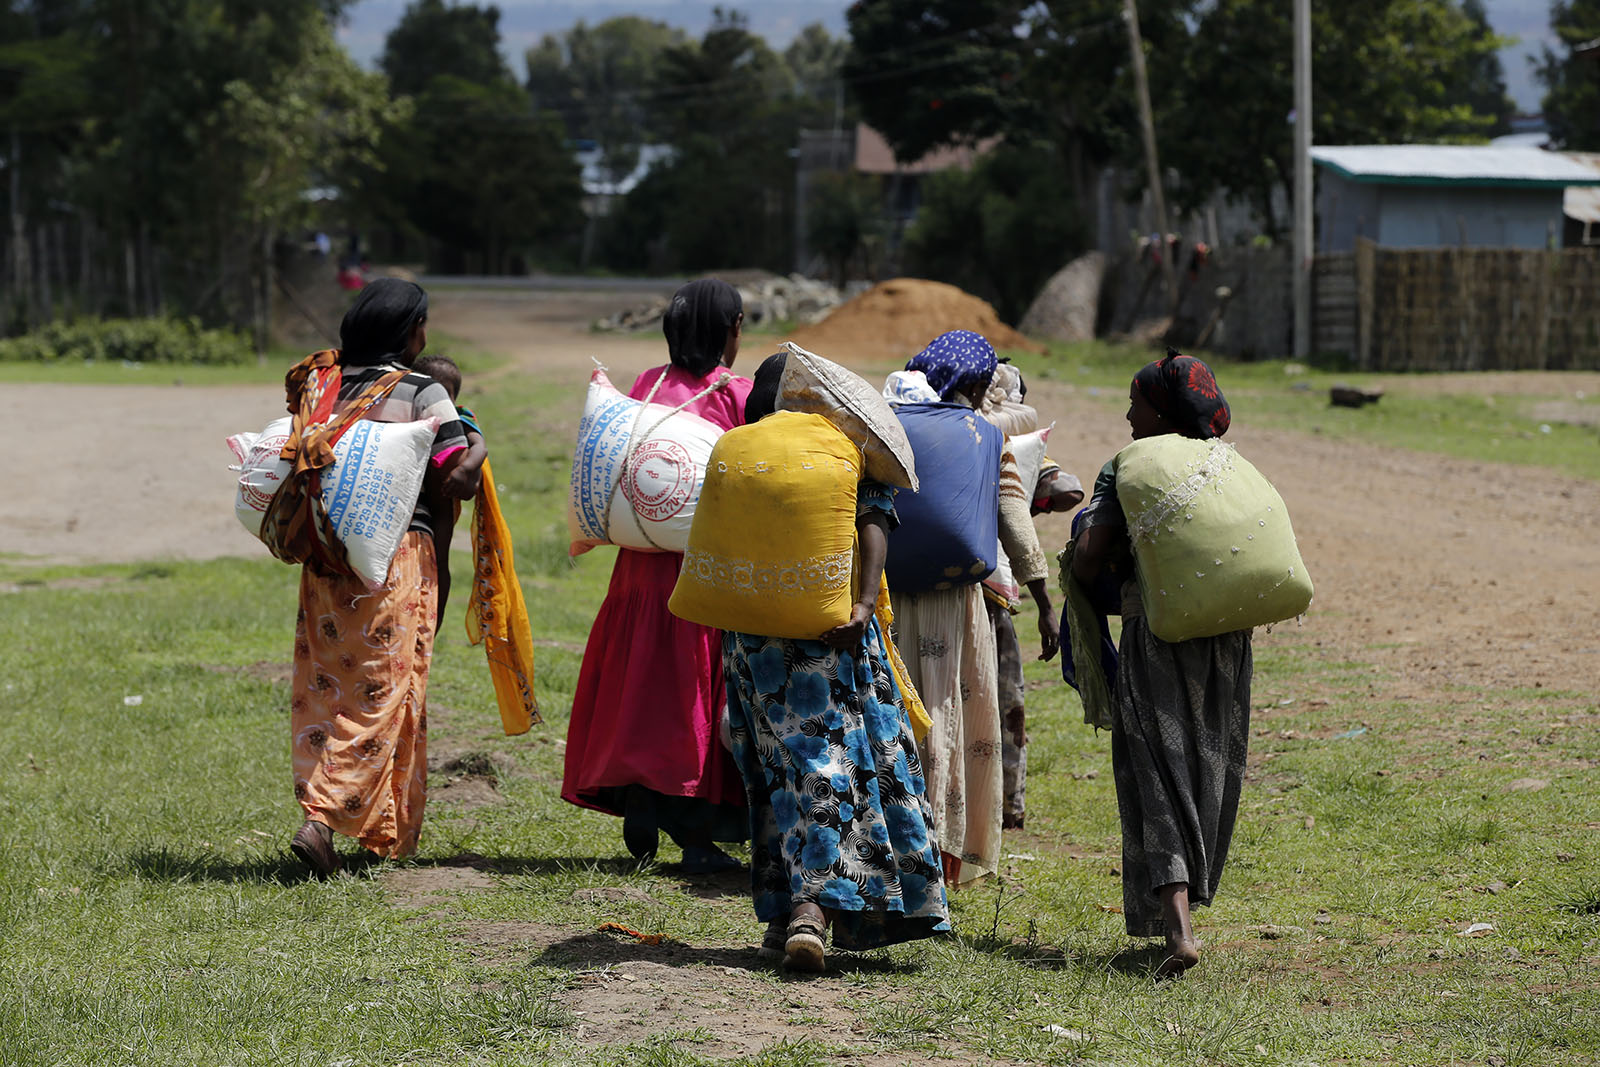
<point>916,714</point>
<point>496,614</point>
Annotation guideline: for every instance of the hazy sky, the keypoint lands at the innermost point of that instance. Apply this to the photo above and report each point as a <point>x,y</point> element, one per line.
<point>523,22</point>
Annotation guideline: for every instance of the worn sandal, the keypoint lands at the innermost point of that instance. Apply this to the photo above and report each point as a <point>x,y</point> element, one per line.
<point>802,949</point>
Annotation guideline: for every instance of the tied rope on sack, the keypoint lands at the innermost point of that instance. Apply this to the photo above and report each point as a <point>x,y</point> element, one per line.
<point>497,616</point>
<point>637,435</point>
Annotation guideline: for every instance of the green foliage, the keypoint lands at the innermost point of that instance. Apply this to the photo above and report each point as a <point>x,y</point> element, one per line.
<point>844,222</point>
<point>432,40</point>
<point>599,79</point>
<point>999,230</point>
<point>179,135</point>
<point>727,106</point>
<point>476,172</point>
<point>1572,82</point>
<point>130,340</point>
<point>1057,73</point>
<point>1383,72</point>
<point>471,168</point>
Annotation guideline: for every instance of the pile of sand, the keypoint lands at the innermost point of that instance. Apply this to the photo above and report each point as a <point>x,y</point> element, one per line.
<point>894,320</point>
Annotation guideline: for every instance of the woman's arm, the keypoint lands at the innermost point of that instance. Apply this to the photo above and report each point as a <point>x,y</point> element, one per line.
<point>1021,544</point>
<point>461,483</point>
<point>872,528</point>
<point>1094,550</point>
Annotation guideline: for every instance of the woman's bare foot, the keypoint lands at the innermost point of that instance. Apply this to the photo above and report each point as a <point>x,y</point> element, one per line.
<point>1183,948</point>
<point>313,844</point>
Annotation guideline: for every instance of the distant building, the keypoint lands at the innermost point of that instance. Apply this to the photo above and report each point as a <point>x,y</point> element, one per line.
<point>1440,196</point>
<point>864,150</point>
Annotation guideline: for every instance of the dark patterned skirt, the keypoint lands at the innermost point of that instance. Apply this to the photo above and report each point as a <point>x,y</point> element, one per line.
<point>837,812</point>
<point>1178,747</point>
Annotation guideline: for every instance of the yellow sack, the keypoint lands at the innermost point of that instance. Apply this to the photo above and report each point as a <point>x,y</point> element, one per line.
<point>772,549</point>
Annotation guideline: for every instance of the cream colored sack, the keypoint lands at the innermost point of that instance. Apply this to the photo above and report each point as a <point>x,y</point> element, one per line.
<point>822,387</point>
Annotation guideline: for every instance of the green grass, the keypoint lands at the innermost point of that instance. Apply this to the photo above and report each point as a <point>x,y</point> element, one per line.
<point>267,372</point>
<point>1285,395</point>
<point>151,913</point>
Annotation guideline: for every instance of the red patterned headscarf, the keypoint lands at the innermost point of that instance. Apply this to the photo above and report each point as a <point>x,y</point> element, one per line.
<point>1183,390</point>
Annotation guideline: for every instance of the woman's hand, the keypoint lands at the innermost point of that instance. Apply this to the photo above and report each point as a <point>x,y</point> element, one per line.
<point>462,482</point>
<point>1049,635</point>
<point>1049,629</point>
<point>847,636</point>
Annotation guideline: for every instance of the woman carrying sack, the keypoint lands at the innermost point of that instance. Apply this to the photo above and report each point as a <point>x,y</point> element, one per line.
<point>642,742</point>
<point>361,655</point>
<point>841,833</point>
<point>949,643</point>
<point>1180,710</point>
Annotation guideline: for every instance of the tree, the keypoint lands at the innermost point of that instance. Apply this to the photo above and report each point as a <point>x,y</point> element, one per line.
<point>600,80</point>
<point>815,59</point>
<point>1383,72</point>
<point>844,220</point>
<point>432,39</point>
<point>1571,80</point>
<point>1486,77</point>
<point>472,169</point>
<point>999,230</point>
<point>727,107</point>
<point>1052,72</point>
<point>172,140</point>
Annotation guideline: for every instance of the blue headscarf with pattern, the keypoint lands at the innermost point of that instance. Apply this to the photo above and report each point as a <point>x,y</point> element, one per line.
<point>958,361</point>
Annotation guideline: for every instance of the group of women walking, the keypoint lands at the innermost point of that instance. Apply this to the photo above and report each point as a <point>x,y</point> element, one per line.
<point>803,747</point>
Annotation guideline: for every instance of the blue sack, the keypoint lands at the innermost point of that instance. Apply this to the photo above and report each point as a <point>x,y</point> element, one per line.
<point>949,532</point>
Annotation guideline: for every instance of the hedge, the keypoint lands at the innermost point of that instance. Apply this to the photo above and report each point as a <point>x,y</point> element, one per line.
<point>131,340</point>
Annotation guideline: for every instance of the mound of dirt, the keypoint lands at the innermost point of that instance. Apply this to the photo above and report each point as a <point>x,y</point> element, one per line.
<point>896,319</point>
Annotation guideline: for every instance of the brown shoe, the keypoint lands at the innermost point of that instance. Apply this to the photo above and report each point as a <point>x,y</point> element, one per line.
<point>313,844</point>
<point>803,950</point>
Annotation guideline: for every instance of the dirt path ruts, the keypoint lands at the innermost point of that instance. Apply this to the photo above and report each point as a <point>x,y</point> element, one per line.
<point>1439,569</point>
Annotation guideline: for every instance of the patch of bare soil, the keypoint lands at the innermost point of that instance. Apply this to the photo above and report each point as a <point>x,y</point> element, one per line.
<point>898,318</point>
<point>1442,574</point>
<point>622,991</point>
<point>460,776</point>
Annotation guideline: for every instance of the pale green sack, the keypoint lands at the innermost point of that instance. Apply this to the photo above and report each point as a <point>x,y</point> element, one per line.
<point>1212,544</point>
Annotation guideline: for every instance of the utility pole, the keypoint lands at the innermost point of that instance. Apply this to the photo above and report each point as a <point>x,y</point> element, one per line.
<point>1130,15</point>
<point>1304,247</point>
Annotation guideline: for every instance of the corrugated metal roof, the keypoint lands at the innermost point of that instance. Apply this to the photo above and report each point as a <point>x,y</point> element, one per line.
<point>1442,164</point>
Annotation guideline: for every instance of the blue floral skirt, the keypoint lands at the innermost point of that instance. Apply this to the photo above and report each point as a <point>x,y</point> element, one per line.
<point>837,812</point>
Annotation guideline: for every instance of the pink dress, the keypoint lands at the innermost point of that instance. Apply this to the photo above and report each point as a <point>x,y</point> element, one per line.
<point>650,691</point>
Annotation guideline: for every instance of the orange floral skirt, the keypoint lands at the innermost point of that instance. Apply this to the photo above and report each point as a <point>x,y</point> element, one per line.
<point>359,714</point>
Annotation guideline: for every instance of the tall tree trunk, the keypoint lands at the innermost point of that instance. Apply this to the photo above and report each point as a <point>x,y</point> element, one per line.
<point>130,270</point>
<point>63,265</point>
<point>47,304</point>
<point>147,272</point>
<point>21,271</point>
<point>263,296</point>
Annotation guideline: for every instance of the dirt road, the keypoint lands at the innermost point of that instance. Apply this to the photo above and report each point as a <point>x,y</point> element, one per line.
<point>1443,571</point>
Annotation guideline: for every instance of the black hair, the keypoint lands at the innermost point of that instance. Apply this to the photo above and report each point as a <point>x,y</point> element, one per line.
<point>442,369</point>
<point>763,398</point>
<point>697,322</point>
<point>379,323</point>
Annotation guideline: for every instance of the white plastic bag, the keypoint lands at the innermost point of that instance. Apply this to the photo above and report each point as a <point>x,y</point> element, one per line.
<point>636,473</point>
<point>369,491</point>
